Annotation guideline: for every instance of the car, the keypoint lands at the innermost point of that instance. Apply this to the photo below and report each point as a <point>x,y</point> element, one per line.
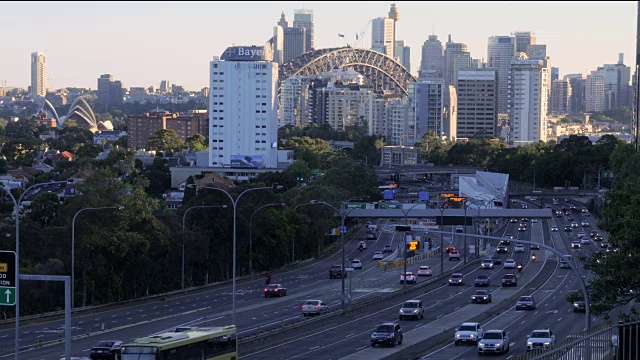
<point>574,224</point>
<point>425,270</point>
<point>450,248</point>
<point>604,244</point>
<point>509,264</point>
<point>585,240</point>
<point>513,220</point>
<point>534,247</point>
<point>362,244</point>
<point>493,342</point>
<point>481,296</point>
<point>534,220</point>
<point>558,213</point>
<point>579,306</point>
<point>584,223</point>
<point>106,350</point>
<point>540,339</point>
<point>459,229</point>
<point>454,255</point>
<point>411,279</point>
<point>567,228</point>
<point>482,280</point>
<point>502,249</point>
<point>575,244</point>
<point>525,303</point>
<point>456,279</point>
<point>519,248</point>
<point>509,236</point>
<point>496,260</point>
<point>573,207</point>
<point>356,264</point>
<point>468,332</point>
<point>275,290</point>
<point>554,228</point>
<point>505,242</point>
<point>569,216</point>
<point>314,307</point>
<point>522,227</point>
<point>584,210</point>
<point>387,248</point>
<point>509,280</point>
<point>525,206</point>
<point>486,264</point>
<point>564,262</point>
<point>412,309</point>
<point>593,233</point>
<point>598,238</point>
<point>388,333</point>
<point>586,214</point>
<point>581,234</point>
<point>337,271</point>
<point>378,255</point>
<point>524,220</point>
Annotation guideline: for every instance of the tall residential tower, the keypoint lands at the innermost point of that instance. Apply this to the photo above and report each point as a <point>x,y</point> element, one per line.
<point>38,75</point>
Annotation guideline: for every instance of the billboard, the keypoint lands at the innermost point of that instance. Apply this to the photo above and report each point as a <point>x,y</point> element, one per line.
<point>423,195</point>
<point>247,161</point>
<point>388,194</point>
<point>245,53</point>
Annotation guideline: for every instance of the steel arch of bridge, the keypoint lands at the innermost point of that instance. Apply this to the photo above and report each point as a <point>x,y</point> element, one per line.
<point>380,71</point>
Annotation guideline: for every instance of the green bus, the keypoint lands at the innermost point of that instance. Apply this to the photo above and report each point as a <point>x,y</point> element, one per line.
<point>206,343</point>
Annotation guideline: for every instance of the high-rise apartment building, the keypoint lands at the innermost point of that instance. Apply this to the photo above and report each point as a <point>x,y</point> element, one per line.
<point>529,85</point>
<point>403,54</point>
<point>595,92</point>
<point>432,56</point>
<point>104,89</point>
<point>578,84</point>
<point>477,93</point>
<point>501,50</point>
<point>555,73</point>
<point>561,96</point>
<point>142,127</point>
<point>523,40</point>
<point>382,39</point>
<point>295,42</point>
<point>456,57</point>
<point>303,18</point>
<point>397,121</point>
<point>426,98</point>
<point>243,115</point>
<point>38,75</point>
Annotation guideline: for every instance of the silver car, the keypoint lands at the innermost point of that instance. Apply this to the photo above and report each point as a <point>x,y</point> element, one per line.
<point>412,309</point>
<point>314,307</point>
<point>494,342</point>
<point>509,264</point>
<point>487,264</point>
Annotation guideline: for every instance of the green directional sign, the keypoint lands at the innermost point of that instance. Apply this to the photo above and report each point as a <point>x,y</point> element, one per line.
<point>354,206</point>
<point>7,296</point>
<point>390,206</point>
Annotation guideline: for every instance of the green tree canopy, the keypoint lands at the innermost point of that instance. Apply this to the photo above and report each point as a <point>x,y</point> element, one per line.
<point>197,142</point>
<point>165,140</point>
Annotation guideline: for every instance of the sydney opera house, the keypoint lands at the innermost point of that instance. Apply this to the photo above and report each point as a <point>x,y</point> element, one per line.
<point>80,112</point>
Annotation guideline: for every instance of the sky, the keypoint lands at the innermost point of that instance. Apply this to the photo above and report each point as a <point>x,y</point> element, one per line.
<point>142,43</point>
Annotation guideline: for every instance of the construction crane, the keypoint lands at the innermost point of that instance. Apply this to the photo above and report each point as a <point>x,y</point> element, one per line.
<point>360,36</point>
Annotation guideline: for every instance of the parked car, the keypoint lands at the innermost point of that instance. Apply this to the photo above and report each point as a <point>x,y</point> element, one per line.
<point>481,296</point>
<point>337,271</point>
<point>314,307</point>
<point>482,280</point>
<point>468,332</point>
<point>525,303</point>
<point>275,290</point>
<point>425,270</point>
<point>456,279</point>
<point>494,342</point>
<point>388,333</point>
<point>106,350</point>
<point>411,279</point>
<point>412,309</point>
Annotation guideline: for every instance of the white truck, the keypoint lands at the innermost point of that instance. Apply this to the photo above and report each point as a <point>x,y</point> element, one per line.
<point>372,232</point>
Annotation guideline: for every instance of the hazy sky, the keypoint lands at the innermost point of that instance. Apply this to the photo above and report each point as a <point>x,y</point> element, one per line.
<point>142,43</point>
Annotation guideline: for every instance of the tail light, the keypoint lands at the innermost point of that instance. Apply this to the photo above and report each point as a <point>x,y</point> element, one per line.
<point>276,290</point>
<point>316,306</point>
<point>265,290</point>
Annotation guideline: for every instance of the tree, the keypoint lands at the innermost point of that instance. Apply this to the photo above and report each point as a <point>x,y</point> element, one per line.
<point>197,142</point>
<point>166,140</point>
<point>297,144</point>
<point>22,129</point>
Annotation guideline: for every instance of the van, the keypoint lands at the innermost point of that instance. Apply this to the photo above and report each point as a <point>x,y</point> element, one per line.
<point>564,261</point>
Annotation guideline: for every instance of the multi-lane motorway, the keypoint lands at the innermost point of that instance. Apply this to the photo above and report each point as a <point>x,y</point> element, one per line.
<point>349,335</point>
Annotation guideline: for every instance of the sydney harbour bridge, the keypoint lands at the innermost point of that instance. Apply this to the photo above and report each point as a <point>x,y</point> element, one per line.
<point>379,70</point>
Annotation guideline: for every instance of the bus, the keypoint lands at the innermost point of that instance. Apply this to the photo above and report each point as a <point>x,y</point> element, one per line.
<point>206,343</point>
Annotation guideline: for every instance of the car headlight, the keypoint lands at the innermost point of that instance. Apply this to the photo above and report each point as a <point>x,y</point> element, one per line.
<point>373,336</point>
<point>547,343</point>
<point>499,344</point>
<point>450,280</point>
<point>390,336</point>
<point>457,336</point>
<point>472,336</point>
<point>415,311</point>
<point>401,311</point>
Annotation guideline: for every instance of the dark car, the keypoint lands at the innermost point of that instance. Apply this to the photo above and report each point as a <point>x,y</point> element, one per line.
<point>567,228</point>
<point>106,350</point>
<point>337,271</point>
<point>579,306</point>
<point>275,290</point>
<point>525,303</point>
<point>496,260</point>
<point>505,242</point>
<point>387,333</point>
<point>481,297</point>
<point>509,280</point>
<point>593,233</point>
<point>598,238</point>
<point>502,249</point>
<point>535,247</point>
<point>482,280</point>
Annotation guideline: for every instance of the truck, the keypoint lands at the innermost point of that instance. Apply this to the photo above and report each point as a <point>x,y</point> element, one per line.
<point>372,232</point>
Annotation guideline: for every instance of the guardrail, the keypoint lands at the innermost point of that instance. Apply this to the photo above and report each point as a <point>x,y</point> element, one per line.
<point>393,264</point>
<point>295,325</point>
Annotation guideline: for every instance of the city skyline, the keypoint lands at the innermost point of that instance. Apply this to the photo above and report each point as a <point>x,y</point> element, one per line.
<point>575,43</point>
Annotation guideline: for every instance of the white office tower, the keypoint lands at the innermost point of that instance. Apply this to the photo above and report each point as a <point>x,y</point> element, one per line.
<point>382,39</point>
<point>529,83</point>
<point>595,92</point>
<point>397,122</point>
<point>477,93</point>
<point>500,52</point>
<point>243,118</point>
<point>561,96</point>
<point>38,75</point>
<point>432,56</point>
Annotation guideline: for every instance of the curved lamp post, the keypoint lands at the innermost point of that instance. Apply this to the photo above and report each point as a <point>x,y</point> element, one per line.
<point>184,219</point>
<point>404,240</point>
<point>16,213</point>
<point>250,233</point>
<point>235,211</point>
<point>73,249</point>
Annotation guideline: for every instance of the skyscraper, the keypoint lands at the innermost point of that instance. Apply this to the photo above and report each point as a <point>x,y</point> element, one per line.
<point>394,14</point>
<point>537,52</point>
<point>295,42</point>
<point>595,92</point>
<point>104,89</point>
<point>403,54</point>
<point>382,39</point>
<point>456,57</point>
<point>278,44</point>
<point>243,115</point>
<point>432,56</point>
<point>477,92</point>
<point>523,40</point>
<point>303,18</point>
<point>529,88</point>
<point>38,75</point>
<point>561,96</point>
<point>165,86</point>
<point>500,52</point>
<point>283,22</point>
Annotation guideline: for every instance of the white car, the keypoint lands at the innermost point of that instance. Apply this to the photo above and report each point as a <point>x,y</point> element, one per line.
<point>554,228</point>
<point>454,255</point>
<point>534,220</point>
<point>363,244</point>
<point>509,264</point>
<point>541,339</point>
<point>584,223</point>
<point>519,248</point>
<point>311,307</point>
<point>425,271</point>
<point>378,255</point>
<point>575,244</point>
<point>356,264</point>
<point>581,234</point>
<point>585,240</point>
<point>468,332</point>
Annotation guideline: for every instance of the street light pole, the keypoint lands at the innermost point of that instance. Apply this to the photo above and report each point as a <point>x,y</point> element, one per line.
<point>442,241</point>
<point>406,221</point>
<point>250,234</point>
<point>184,219</point>
<point>16,213</point>
<point>235,211</point>
<point>73,247</point>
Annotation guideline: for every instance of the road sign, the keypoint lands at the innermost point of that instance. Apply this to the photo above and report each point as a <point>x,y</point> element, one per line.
<point>7,278</point>
<point>457,198</point>
<point>447,195</point>
<point>423,195</point>
<point>352,206</point>
<point>390,206</point>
